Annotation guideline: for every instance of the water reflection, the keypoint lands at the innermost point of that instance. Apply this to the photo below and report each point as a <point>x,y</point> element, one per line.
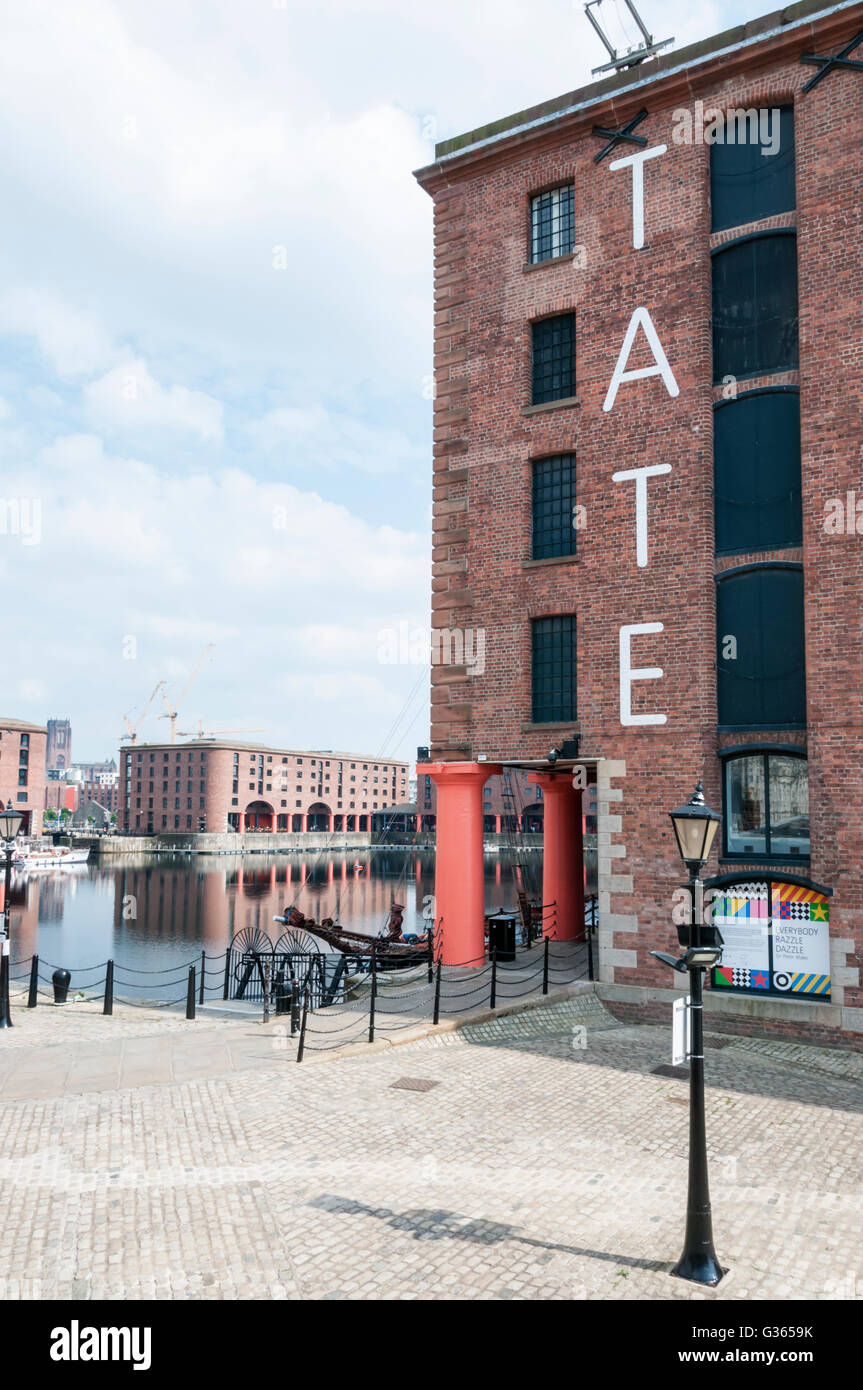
<point>149,913</point>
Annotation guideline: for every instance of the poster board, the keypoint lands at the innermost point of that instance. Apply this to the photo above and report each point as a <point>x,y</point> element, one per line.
<point>777,939</point>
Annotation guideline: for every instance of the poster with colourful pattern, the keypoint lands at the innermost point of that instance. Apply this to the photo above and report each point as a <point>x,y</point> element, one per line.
<point>777,939</point>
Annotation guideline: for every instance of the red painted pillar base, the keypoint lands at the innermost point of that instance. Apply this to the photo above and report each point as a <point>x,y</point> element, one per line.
<point>459,866</point>
<point>562,856</point>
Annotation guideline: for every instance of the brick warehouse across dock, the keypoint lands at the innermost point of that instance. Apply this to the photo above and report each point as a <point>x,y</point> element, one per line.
<point>648,450</point>
<point>208,786</point>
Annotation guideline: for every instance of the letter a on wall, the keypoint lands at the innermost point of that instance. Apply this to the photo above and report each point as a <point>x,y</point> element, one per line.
<point>660,361</point>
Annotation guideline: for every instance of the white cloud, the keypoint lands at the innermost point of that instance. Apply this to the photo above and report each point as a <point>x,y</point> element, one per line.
<point>72,342</point>
<point>128,400</point>
<point>321,437</point>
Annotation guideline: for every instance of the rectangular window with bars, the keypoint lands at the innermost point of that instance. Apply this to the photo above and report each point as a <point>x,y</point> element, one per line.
<point>553,358</point>
<point>553,669</point>
<point>553,503</point>
<point>552,224</point>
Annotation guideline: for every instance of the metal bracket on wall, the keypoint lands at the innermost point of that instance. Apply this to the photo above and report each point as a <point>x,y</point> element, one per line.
<point>840,60</point>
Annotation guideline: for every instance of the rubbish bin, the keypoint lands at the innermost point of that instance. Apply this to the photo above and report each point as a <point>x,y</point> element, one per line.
<point>501,934</point>
<point>60,980</point>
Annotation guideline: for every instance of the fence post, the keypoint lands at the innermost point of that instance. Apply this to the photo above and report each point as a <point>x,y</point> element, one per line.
<point>431,951</point>
<point>302,1043</point>
<point>190,994</point>
<point>493,1000</point>
<point>295,1006</point>
<point>203,975</point>
<point>227,973</point>
<point>545,968</point>
<point>108,1006</point>
<point>33,996</point>
<point>373,994</point>
<point>436,1018</point>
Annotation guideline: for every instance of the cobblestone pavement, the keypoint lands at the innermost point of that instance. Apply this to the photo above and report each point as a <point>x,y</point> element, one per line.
<point>533,1157</point>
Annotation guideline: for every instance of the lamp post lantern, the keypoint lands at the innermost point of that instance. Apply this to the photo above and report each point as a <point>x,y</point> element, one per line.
<point>695,827</point>
<point>10,822</point>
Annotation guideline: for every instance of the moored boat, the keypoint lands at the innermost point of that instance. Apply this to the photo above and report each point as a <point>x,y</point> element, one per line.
<point>58,857</point>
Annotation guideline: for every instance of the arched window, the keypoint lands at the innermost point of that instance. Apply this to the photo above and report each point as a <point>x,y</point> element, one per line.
<point>766,803</point>
<point>761,661</point>
<point>752,171</point>
<point>756,455</point>
<point>755,306</point>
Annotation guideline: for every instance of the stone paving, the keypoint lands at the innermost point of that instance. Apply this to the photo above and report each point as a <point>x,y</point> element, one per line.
<point>531,1157</point>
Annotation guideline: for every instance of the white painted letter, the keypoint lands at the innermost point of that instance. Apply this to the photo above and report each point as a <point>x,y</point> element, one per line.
<point>637,163</point>
<point>661,367</point>
<point>641,476</point>
<point>628,674</point>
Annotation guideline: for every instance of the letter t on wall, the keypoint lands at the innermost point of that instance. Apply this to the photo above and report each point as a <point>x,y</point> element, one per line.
<point>641,476</point>
<point>637,162</point>
<point>628,674</point>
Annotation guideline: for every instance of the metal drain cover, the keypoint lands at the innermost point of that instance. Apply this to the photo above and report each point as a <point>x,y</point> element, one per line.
<point>679,1073</point>
<point>413,1083</point>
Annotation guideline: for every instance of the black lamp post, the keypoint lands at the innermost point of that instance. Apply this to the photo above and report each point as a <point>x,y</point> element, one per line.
<point>695,826</point>
<point>10,822</point>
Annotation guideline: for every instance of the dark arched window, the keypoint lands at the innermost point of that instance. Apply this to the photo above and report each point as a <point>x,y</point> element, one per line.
<point>756,454</point>
<point>751,176</point>
<point>761,660</point>
<point>766,803</point>
<point>755,306</point>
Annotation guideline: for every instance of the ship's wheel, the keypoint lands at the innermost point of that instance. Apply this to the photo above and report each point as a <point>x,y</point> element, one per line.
<point>251,941</point>
<point>296,942</point>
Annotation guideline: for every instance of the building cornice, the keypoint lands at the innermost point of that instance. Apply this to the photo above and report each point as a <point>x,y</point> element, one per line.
<point>677,77</point>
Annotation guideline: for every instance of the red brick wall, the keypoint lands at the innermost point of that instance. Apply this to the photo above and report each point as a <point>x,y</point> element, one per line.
<point>484,444</point>
<point>215,767</point>
<point>33,802</point>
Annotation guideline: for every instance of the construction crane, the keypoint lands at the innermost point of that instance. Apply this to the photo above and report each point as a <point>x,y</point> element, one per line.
<point>132,733</point>
<point>212,733</point>
<point>172,713</point>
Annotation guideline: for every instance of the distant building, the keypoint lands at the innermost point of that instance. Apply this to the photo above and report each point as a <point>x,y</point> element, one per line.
<point>92,813</point>
<point>58,755</point>
<point>203,785</point>
<point>22,770</point>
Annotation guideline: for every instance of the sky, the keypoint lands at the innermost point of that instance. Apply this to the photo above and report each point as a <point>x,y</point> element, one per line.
<point>216,346</point>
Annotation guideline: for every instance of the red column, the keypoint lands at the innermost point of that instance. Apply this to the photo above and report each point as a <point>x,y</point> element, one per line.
<point>241,823</point>
<point>497,825</point>
<point>304,823</point>
<point>459,877</point>
<point>562,856</point>
<point>419,825</point>
<point>330,823</point>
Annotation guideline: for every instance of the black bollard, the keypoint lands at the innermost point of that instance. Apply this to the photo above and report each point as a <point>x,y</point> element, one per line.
<point>436,1018</point>
<point>302,1043</point>
<point>190,994</point>
<point>431,951</point>
<point>108,1006</point>
<point>373,995</point>
<point>227,973</point>
<point>60,980</point>
<point>33,996</point>
<point>295,1006</point>
<point>203,974</point>
<point>545,967</point>
<point>493,999</point>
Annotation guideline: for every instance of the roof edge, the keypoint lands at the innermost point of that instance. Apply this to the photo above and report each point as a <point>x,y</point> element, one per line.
<point>739,37</point>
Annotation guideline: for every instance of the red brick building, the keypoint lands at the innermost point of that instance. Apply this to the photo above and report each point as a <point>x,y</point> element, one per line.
<point>647,459</point>
<point>215,787</point>
<point>22,770</point>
